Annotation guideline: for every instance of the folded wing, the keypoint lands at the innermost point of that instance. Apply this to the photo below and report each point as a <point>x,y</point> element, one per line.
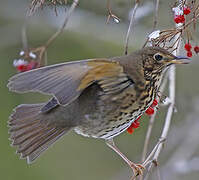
<point>66,81</point>
<point>60,80</point>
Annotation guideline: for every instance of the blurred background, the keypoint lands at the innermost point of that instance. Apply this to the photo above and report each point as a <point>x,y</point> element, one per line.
<point>88,36</point>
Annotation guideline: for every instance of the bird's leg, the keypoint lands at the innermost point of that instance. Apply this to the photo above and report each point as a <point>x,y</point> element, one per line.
<point>137,168</point>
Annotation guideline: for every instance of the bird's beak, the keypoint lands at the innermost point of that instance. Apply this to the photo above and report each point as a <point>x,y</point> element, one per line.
<point>180,60</point>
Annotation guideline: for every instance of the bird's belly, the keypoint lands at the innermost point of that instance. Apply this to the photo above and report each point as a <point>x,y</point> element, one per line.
<point>108,130</point>
<point>105,133</point>
<point>116,131</point>
<point>109,127</point>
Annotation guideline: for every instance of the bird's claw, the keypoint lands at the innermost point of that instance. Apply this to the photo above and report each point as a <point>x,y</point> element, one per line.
<point>137,170</point>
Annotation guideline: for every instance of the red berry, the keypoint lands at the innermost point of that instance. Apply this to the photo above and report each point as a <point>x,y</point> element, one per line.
<point>179,19</point>
<point>196,49</point>
<point>182,19</point>
<point>32,65</point>
<point>22,68</point>
<point>135,124</point>
<point>149,111</point>
<point>155,103</point>
<point>189,54</point>
<point>186,10</point>
<point>188,46</point>
<point>130,130</point>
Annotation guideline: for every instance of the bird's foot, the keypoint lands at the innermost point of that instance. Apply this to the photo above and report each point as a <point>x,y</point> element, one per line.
<point>137,170</point>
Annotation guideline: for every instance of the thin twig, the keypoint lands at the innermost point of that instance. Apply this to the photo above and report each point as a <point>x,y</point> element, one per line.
<point>41,51</point>
<point>110,14</point>
<point>186,149</point>
<point>146,162</point>
<point>35,4</point>
<point>158,173</point>
<point>60,30</point>
<point>148,135</point>
<point>24,35</point>
<point>156,14</point>
<point>131,25</point>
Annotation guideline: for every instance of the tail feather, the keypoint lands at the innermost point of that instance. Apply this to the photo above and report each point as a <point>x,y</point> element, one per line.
<point>25,136</point>
<point>41,149</point>
<point>41,137</point>
<point>22,114</point>
<point>30,133</point>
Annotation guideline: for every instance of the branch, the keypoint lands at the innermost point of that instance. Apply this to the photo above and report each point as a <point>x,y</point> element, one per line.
<point>110,14</point>
<point>156,14</point>
<point>42,49</point>
<point>40,52</point>
<point>182,159</point>
<point>131,25</point>
<point>24,35</point>
<point>172,83</point>
<point>59,31</point>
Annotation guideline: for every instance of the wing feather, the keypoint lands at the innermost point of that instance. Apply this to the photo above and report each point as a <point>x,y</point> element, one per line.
<point>66,81</point>
<point>60,80</point>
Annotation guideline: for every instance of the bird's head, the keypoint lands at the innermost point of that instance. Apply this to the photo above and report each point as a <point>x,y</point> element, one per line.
<point>149,63</point>
<point>157,59</point>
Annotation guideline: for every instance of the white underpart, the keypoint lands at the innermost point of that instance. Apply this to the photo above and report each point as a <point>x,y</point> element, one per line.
<point>80,132</point>
<point>121,128</point>
<point>117,131</point>
<point>114,132</point>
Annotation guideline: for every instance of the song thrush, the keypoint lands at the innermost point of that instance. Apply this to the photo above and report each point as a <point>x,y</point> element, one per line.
<point>98,98</point>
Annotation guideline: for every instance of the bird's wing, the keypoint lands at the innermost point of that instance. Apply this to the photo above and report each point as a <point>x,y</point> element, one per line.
<point>66,81</point>
<point>51,104</point>
<point>60,80</point>
<point>110,77</point>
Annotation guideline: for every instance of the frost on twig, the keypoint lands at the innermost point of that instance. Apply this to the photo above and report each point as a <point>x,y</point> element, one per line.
<point>37,57</point>
<point>111,15</point>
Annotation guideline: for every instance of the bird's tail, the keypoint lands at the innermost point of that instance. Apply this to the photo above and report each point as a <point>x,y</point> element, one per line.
<point>30,133</point>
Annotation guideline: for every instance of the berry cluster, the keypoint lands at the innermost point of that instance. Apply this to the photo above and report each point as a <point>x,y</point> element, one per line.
<point>136,123</point>
<point>188,48</point>
<point>179,14</point>
<point>22,65</point>
<point>179,17</point>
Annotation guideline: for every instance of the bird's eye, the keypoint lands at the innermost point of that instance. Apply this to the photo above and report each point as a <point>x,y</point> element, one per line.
<point>158,57</point>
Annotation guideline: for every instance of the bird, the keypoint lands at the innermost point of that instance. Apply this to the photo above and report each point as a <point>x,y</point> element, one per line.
<point>98,98</point>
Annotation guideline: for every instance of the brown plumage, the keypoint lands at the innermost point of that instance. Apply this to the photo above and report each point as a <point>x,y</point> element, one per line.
<point>97,98</point>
